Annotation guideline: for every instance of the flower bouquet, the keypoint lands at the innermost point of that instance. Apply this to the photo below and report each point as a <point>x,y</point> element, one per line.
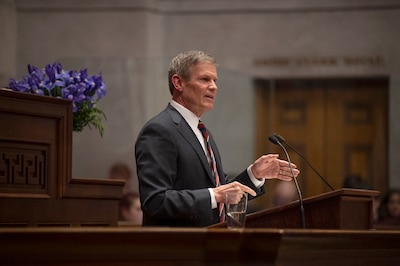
<point>83,90</point>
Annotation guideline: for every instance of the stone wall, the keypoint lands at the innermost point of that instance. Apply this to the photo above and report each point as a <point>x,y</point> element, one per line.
<point>131,42</point>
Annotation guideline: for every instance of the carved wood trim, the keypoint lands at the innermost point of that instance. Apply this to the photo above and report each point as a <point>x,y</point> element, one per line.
<point>40,126</point>
<point>36,186</point>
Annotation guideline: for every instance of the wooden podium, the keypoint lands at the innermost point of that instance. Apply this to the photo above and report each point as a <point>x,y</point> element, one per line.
<point>339,209</point>
<point>36,187</point>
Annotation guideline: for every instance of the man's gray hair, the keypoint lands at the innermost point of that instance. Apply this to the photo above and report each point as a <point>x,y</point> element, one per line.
<point>181,65</point>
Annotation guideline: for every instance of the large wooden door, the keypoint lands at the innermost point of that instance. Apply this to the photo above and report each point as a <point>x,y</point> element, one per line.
<point>339,125</point>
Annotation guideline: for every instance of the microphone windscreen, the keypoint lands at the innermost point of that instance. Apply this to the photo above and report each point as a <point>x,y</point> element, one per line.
<point>279,137</point>
<point>273,139</point>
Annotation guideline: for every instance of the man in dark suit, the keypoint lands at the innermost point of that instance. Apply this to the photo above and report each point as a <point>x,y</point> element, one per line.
<point>181,180</point>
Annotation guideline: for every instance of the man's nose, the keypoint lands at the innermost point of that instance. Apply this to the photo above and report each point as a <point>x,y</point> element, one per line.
<point>214,85</point>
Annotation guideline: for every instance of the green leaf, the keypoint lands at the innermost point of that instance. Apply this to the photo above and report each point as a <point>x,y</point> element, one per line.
<point>86,116</point>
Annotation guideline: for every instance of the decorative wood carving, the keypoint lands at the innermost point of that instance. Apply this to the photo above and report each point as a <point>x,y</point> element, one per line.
<point>36,186</point>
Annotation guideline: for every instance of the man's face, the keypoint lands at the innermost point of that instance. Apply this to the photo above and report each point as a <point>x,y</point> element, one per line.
<point>199,92</point>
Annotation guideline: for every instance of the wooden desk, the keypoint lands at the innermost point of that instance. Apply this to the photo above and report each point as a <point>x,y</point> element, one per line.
<point>182,246</point>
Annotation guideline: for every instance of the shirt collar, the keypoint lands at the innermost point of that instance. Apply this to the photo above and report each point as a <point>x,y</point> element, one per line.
<point>188,115</point>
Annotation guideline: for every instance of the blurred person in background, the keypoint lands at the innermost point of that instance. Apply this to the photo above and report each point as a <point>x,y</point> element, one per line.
<point>284,193</point>
<point>120,170</point>
<point>130,210</point>
<point>129,206</point>
<point>355,181</point>
<point>389,209</point>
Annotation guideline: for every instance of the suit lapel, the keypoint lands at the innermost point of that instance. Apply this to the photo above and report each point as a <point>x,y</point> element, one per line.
<point>185,130</point>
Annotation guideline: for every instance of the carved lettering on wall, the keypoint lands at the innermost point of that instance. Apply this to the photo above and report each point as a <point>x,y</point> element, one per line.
<point>24,167</point>
<point>321,61</point>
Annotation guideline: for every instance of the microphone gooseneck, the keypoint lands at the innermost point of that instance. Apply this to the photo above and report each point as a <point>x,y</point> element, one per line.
<point>282,140</point>
<point>276,141</point>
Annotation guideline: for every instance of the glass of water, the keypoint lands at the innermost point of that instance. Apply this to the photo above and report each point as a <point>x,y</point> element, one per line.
<point>235,209</point>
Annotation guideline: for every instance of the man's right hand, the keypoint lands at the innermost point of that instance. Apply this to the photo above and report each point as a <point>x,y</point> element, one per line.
<point>234,187</point>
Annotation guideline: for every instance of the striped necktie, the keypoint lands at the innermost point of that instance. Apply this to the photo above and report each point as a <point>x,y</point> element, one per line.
<point>213,165</point>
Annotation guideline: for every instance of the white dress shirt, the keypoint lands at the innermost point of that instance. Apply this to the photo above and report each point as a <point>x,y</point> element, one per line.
<point>193,122</point>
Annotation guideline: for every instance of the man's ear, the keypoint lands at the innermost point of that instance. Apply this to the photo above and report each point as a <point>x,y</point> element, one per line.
<point>177,81</point>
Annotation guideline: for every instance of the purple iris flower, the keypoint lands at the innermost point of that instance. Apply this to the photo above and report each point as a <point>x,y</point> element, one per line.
<point>34,85</point>
<point>77,86</point>
<point>21,85</point>
<point>32,70</point>
<point>83,74</point>
<point>100,86</point>
<point>74,93</point>
<point>53,80</point>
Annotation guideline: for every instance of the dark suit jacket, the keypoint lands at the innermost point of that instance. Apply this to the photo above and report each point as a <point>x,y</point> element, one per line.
<point>174,174</point>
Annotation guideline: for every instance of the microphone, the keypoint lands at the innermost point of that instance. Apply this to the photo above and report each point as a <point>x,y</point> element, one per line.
<point>275,140</point>
<point>282,140</point>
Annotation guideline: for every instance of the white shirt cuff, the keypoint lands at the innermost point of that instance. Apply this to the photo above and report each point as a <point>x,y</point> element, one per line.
<point>257,182</point>
<point>213,200</point>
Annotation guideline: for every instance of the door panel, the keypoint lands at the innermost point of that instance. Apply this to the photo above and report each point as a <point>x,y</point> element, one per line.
<point>357,134</point>
<point>339,125</point>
